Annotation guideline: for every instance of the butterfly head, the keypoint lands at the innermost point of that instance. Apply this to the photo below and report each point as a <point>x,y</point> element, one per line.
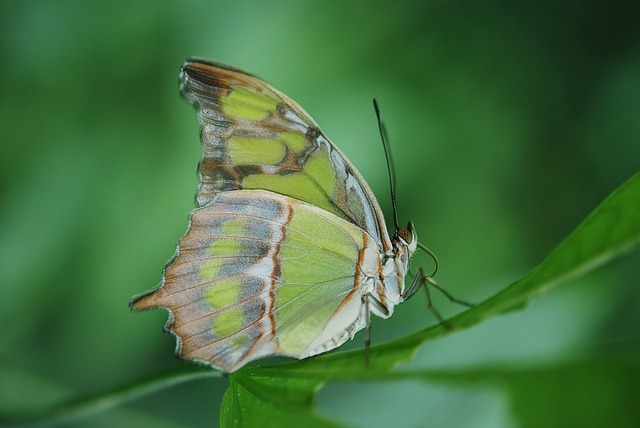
<point>405,243</point>
<point>406,238</point>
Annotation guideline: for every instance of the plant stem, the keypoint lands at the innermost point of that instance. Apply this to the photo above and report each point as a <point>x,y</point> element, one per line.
<point>79,408</point>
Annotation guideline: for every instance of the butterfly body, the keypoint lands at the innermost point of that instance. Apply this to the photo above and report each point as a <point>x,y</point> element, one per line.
<point>287,252</point>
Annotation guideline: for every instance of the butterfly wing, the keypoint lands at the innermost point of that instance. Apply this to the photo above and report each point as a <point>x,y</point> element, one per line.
<point>259,273</point>
<point>255,137</point>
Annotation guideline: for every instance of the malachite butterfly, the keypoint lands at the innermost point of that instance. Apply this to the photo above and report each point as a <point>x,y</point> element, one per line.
<point>287,252</point>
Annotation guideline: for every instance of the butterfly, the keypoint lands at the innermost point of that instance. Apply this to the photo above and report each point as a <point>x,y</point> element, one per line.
<point>287,252</point>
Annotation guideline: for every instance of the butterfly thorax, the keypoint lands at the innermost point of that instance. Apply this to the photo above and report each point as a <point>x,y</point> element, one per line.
<point>395,265</point>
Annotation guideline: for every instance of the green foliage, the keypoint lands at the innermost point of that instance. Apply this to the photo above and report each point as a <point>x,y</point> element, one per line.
<point>263,401</point>
<point>285,395</point>
<point>508,123</point>
<point>610,230</point>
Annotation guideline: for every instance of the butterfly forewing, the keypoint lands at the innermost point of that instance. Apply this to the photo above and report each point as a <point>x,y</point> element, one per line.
<point>255,137</point>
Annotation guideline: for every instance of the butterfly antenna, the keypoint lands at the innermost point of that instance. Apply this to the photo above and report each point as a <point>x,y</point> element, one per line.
<point>390,168</point>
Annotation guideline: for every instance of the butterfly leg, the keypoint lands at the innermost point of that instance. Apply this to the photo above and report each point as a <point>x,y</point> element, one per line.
<point>369,300</point>
<point>367,330</point>
<point>421,279</point>
<point>452,299</point>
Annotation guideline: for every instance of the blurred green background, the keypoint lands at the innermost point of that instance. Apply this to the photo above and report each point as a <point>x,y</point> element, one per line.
<point>509,122</point>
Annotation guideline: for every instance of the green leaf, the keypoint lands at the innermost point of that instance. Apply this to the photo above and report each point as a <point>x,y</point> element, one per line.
<point>73,410</point>
<point>284,395</point>
<point>610,230</point>
<point>257,401</point>
<point>590,392</point>
<point>595,393</point>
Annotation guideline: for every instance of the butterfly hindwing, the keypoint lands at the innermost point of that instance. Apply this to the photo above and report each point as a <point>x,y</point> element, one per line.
<point>264,274</point>
<point>255,137</point>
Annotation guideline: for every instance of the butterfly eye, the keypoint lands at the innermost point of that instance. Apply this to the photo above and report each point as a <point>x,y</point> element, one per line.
<point>406,234</point>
